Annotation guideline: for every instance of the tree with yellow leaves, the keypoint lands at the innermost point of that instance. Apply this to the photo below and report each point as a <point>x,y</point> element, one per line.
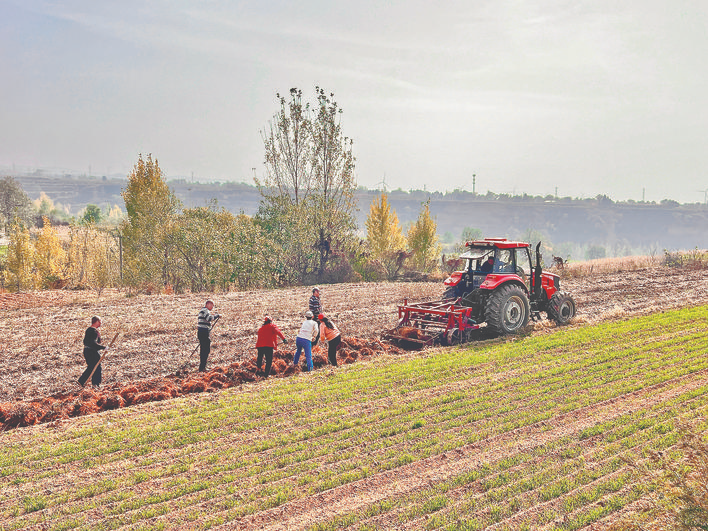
<point>423,240</point>
<point>50,257</point>
<point>93,258</point>
<point>152,209</point>
<point>384,235</point>
<point>20,257</point>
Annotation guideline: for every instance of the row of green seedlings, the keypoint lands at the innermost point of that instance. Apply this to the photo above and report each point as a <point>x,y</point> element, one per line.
<point>87,448</point>
<point>562,480</point>
<point>192,487</point>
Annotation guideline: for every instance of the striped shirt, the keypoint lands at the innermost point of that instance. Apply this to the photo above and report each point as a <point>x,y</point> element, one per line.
<point>205,318</point>
<point>315,306</point>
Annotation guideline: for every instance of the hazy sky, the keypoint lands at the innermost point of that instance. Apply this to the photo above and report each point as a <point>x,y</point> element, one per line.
<point>587,97</point>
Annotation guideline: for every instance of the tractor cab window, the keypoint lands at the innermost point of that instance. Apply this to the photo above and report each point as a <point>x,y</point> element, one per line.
<point>504,261</point>
<point>523,266</point>
<point>523,260</point>
<point>477,257</point>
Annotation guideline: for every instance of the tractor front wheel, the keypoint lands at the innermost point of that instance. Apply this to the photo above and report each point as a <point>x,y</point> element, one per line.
<point>561,308</point>
<point>507,310</point>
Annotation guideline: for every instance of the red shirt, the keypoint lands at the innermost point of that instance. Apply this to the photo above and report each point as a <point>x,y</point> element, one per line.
<point>268,336</point>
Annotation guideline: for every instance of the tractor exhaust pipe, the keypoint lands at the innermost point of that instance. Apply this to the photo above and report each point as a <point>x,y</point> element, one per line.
<point>537,274</point>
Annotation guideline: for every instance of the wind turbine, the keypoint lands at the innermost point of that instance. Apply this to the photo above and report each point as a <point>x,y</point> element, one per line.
<point>383,188</point>
<point>705,196</point>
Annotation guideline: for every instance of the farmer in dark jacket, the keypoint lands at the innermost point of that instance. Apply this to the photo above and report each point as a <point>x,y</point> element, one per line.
<point>92,348</point>
<point>205,321</point>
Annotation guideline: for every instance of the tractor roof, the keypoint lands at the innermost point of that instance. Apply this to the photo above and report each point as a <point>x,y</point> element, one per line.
<point>499,243</point>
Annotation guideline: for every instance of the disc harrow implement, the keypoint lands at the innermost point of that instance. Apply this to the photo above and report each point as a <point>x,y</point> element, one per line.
<point>432,323</point>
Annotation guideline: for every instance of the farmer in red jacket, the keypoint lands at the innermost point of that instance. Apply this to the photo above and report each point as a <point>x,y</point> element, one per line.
<point>267,341</point>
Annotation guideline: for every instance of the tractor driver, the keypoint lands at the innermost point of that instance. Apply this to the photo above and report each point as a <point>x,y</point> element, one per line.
<point>488,265</point>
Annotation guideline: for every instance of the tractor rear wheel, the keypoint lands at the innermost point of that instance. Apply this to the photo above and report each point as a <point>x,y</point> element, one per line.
<point>507,310</point>
<point>561,307</point>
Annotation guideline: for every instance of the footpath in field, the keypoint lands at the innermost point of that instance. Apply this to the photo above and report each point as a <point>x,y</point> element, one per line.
<point>523,434</point>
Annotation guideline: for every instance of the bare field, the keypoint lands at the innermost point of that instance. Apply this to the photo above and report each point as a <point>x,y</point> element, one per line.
<point>41,332</point>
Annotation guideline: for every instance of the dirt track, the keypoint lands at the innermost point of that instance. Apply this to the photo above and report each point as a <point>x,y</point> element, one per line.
<point>41,332</point>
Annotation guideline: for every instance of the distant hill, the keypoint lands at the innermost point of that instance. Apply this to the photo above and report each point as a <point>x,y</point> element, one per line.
<point>616,226</point>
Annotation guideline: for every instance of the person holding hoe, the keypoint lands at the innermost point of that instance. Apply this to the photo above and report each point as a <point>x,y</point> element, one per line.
<point>329,331</point>
<point>92,347</point>
<point>268,335</point>
<point>205,322</point>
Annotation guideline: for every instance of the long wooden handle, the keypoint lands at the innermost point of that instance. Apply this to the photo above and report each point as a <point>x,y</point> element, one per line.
<point>199,344</point>
<point>103,356</point>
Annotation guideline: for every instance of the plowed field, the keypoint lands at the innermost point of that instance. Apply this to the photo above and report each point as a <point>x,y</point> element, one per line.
<point>41,332</point>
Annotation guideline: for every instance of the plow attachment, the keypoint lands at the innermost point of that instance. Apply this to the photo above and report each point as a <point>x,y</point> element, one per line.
<point>432,323</point>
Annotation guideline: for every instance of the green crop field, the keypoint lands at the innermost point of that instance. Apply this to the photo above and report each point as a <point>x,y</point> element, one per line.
<point>525,433</point>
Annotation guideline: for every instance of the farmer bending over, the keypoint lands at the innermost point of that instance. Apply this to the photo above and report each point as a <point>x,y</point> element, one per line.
<point>329,331</point>
<point>92,346</point>
<point>307,333</point>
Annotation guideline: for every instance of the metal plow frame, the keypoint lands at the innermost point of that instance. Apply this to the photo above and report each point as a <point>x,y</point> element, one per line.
<point>437,322</point>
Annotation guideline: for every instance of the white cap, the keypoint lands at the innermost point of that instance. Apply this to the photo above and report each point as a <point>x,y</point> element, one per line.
<point>308,313</point>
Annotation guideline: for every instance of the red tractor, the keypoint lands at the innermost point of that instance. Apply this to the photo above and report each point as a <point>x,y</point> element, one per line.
<point>504,287</point>
<point>499,286</point>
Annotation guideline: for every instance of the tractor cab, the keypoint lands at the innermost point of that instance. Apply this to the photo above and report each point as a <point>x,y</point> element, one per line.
<point>496,256</point>
<point>497,266</point>
<point>506,261</point>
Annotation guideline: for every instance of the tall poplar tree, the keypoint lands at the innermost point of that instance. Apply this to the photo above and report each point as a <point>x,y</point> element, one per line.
<point>151,207</point>
<point>307,206</point>
<point>384,235</point>
<point>423,240</point>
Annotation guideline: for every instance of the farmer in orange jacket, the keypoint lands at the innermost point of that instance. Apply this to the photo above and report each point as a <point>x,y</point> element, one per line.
<point>329,331</point>
<point>268,335</point>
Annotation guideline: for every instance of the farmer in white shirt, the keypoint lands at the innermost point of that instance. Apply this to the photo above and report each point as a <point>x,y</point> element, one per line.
<point>307,334</point>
